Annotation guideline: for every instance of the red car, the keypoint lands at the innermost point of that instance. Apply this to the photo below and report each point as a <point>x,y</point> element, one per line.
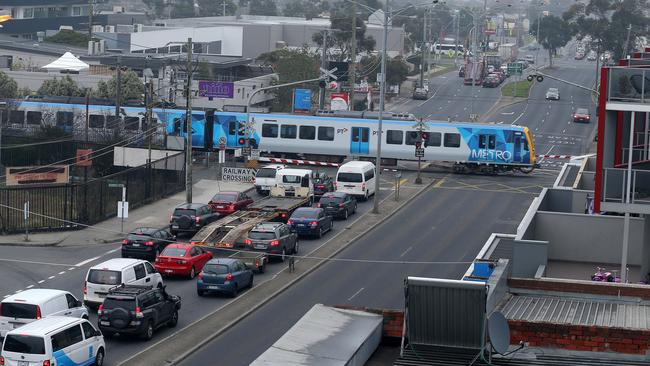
<point>581,115</point>
<point>182,260</point>
<point>225,203</point>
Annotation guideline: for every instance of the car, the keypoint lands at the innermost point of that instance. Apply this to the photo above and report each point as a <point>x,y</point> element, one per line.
<point>581,115</point>
<point>491,69</point>
<point>190,218</point>
<point>338,204</point>
<point>592,56</point>
<point>420,93</point>
<point>182,259</point>
<point>225,203</point>
<point>265,178</point>
<point>310,221</point>
<point>530,59</point>
<point>137,310</point>
<point>356,178</point>
<point>275,238</point>
<point>221,275</point>
<point>579,56</point>
<point>461,72</point>
<point>323,183</point>
<point>553,93</point>
<point>491,81</point>
<point>146,243</point>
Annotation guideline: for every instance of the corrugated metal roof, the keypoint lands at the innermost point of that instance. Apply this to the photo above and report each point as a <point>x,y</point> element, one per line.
<point>577,311</point>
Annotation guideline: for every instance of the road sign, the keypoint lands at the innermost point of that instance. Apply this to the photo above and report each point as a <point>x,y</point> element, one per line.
<point>123,209</point>
<point>419,153</point>
<point>115,185</point>
<point>246,151</point>
<point>222,140</point>
<point>255,154</point>
<point>515,68</point>
<point>329,74</point>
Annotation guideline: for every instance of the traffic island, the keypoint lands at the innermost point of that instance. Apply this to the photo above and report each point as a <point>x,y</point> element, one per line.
<point>517,89</point>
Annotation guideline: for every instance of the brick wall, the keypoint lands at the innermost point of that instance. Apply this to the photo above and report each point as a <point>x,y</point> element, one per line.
<point>582,287</point>
<point>579,338</point>
<point>393,319</point>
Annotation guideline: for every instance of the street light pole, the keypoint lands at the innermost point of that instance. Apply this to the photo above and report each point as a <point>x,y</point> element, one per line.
<point>382,95</point>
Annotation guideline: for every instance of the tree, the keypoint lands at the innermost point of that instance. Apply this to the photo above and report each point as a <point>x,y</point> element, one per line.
<point>554,33</point>
<point>132,87</point>
<point>70,38</point>
<point>211,8</point>
<point>8,86</point>
<point>305,9</point>
<point>340,36</point>
<point>396,69</point>
<point>263,7</point>
<point>291,65</point>
<point>439,22</point>
<point>64,86</point>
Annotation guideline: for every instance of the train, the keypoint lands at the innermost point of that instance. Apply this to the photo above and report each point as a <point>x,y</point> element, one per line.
<point>329,136</point>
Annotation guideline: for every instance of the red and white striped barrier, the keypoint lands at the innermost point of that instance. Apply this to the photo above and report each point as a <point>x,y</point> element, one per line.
<point>297,162</point>
<point>554,156</point>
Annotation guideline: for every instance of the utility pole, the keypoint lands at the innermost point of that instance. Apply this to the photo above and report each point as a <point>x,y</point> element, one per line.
<point>149,112</point>
<point>353,56</point>
<point>422,45</point>
<point>224,8</point>
<point>627,40</point>
<point>323,64</point>
<point>382,96</point>
<point>118,86</point>
<point>188,125</point>
<point>90,19</point>
<point>457,37</point>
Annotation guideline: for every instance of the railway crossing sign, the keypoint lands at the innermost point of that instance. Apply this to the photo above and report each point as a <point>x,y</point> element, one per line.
<point>515,68</point>
<point>246,151</point>
<point>419,152</point>
<point>255,154</point>
<point>329,74</point>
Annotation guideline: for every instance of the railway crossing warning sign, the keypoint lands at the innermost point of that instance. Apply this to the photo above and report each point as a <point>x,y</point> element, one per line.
<point>419,152</point>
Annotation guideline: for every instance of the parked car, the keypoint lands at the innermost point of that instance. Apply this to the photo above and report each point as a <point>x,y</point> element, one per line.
<point>579,55</point>
<point>33,304</point>
<point>310,221</point>
<point>182,260</point>
<point>420,93</point>
<point>274,238</point>
<point>191,217</point>
<point>225,203</point>
<point>265,178</point>
<point>553,93</point>
<point>137,310</point>
<point>146,243</point>
<point>338,204</point>
<point>224,275</point>
<point>323,183</point>
<point>581,115</point>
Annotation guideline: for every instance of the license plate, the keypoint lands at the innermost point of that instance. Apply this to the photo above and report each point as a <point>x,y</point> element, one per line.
<point>260,246</point>
<point>23,363</point>
<point>301,225</point>
<point>136,244</point>
<point>213,287</point>
<point>219,206</point>
<point>266,188</point>
<point>101,296</point>
<point>105,323</point>
<point>169,271</point>
<point>174,226</point>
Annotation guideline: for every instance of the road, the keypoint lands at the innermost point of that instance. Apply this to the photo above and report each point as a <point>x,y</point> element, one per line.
<point>448,223</point>
<point>65,268</point>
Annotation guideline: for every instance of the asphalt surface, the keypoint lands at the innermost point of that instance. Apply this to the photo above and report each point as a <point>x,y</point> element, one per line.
<point>448,223</point>
<point>65,268</point>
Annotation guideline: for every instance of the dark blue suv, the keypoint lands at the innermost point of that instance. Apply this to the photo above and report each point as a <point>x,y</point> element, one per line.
<point>310,221</point>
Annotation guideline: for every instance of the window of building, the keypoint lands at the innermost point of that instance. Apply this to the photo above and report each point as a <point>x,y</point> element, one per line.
<point>394,137</point>
<point>288,131</point>
<point>76,10</point>
<point>269,130</point>
<point>307,132</point>
<point>326,133</point>
<point>452,140</point>
<point>28,13</point>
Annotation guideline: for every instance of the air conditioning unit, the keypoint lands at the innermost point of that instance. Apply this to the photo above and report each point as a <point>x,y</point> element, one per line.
<point>98,29</point>
<point>109,29</point>
<point>66,27</point>
<point>138,28</point>
<point>118,9</point>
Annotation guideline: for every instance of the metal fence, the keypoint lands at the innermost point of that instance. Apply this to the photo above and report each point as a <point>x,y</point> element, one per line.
<point>66,206</point>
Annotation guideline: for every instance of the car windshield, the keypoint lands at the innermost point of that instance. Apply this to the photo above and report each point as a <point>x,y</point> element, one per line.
<point>174,252</point>
<point>266,173</point>
<point>215,269</point>
<point>224,197</point>
<point>21,343</point>
<point>18,310</point>
<point>261,235</point>
<point>582,111</point>
<point>552,90</point>
<point>350,177</point>
<point>137,237</point>
<point>328,200</point>
<point>307,213</point>
<point>104,277</point>
<point>291,179</point>
<point>119,303</point>
<point>183,212</point>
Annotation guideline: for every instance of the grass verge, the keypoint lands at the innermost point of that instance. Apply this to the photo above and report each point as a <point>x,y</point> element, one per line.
<point>522,88</point>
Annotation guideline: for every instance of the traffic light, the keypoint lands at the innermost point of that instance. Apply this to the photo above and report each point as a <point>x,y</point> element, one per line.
<point>322,84</point>
<point>242,141</point>
<point>425,136</point>
<point>418,144</point>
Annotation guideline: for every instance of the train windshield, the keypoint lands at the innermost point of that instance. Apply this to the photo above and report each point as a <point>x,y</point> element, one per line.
<point>350,177</point>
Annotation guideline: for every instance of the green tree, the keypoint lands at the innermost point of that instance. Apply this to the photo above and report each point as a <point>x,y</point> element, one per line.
<point>132,87</point>
<point>8,86</point>
<point>305,9</point>
<point>64,86</point>
<point>212,8</point>
<point>340,37</point>
<point>70,38</point>
<point>396,69</point>
<point>440,20</point>
<point>291,65</point>
<point>554,33</point>
<point>263,7</point>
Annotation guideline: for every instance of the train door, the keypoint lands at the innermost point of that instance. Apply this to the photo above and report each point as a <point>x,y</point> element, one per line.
<point>517,146</point>
<point>488,144</point>
<point>360,140</point>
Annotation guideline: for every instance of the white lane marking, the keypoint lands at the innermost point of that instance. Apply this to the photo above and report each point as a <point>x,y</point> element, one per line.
<point>71,269</point>
<point>51,277</point>
<point>406,251</point>
<point>30,286</point>
<point>33,262</point>
<point>41,281</point>
<point>355,294</point>
<point>113,251</point>
<point>564,130</point>
<point>5,296</point>
<point>86,261</point>
<point>18,291</point>
<point>62,272</point>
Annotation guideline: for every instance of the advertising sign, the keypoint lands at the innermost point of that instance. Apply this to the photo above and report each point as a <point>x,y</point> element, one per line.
<point>339,101</point>
<point>301,100</point>
<point>216,89</point>
<point>83,157</point>
<point>37,175</point>
<point>241,175</point>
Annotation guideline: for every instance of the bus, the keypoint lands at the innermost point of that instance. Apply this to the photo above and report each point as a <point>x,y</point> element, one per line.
<point>448,49</point>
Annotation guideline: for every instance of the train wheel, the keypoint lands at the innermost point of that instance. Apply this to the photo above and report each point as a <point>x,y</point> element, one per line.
<point>527,169</point>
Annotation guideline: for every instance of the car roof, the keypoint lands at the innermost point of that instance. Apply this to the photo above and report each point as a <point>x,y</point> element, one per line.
<point>190,205</point>
<point>226,261</point>
<point>307,209</point>
<point>46,325</point>
<point>334,194</point>
<point>35,295</point>
<point>295,171</point>
<point>144,230</point>
<point>117,263</point>
<point>267,226</point>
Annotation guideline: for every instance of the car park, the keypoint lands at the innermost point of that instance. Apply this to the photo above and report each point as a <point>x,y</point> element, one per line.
<point>553,94</point>
<point>582,115</point>
<point>225,203</point>
<point>145,243</point>
<point>137,310</point>
<point>310,221</point>
<point>224,275</point>
<point>190,218</point>
<point>274,238</point>
<point>182,260</point>
<point>338,204</point>
<point>56,341</point>
<point>265,178</point>
<point>322,184</point>
<point>34,304</point>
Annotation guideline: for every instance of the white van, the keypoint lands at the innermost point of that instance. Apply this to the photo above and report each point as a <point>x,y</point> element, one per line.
<point>265,178</point>
<point>56,340</point>
<point>33,304</point>
<point>356,178</point>
<point>115,272</point>
<point>296,180</point>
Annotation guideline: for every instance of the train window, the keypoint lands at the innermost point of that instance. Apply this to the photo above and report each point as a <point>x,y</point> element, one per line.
<point>326,133</point>
<point>113,122</point>
<point>17,117</point>
<point>131,123</point>
<point>64,118</point>
<point>492,142</point>
<point>452,140</point>
<point>34,118</point>
<point>525,142</point>
<point>412,137</point>
<point>269,130</point>
<point>482,141</point>
<point>96,121</point>
<point>394,137</point>
<point>307,132</point>
<point>288,131</point>
<point>434,139</point>
<point>177,125</point>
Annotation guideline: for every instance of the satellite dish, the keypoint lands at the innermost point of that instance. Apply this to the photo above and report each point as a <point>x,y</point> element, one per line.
<point>499,332</point>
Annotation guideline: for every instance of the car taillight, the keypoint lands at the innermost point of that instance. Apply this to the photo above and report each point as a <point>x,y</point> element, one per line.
<point>197,219</point>
<point>200,275</point>
<point>283,215</point>
<point>275,243</point>
<point>100,309</point>
<point>341,205</point>
<point>290,222</point>
<point>148,243</point>
<point>38,312</point>
<point>363,186</point>
<point>181,261</point>
<point>248,242</point>
<point>85,287</point>
<point>138,313</point>
<point>318,204</point>
<point>46,363</point>
<point>231,206</point>
<point>125,242</point>
<point>229,277</point>
<point>313,223</point>
<point>2,361</point>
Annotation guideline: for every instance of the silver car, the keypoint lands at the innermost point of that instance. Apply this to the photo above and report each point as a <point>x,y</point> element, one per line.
<point>553,93</point>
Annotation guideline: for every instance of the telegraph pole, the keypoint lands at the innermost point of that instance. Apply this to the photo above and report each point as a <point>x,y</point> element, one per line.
<point>118,86</point>
<point>353,56</point>
<point>90,19</point>
<point>188,125</point>
<point>323,64</point>
<point>422,45</point>
<point>382,97</point>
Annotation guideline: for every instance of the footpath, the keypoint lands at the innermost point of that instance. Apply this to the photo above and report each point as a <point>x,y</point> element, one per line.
<point>155,214</point>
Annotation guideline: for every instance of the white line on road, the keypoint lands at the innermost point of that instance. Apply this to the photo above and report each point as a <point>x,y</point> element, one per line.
<point>33,262</point>
<point>355,294</point>
<point>51,277</point>
<point>71,269</point>
<point>41,281</point>
<point>86,261</point>
<point>18,291</point>
<point>5,296</point>
<point>113,251</point>
<point>62,272</point>
<point>30,286</point>
<point>406,251</point>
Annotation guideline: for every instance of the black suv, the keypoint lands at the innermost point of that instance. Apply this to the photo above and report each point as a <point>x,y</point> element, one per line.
<point>191,217</point>
<point>139,310</point>
<point>146,243</point>
<point>338,204</point>
<point>273,238</point>
<point>322,184</point>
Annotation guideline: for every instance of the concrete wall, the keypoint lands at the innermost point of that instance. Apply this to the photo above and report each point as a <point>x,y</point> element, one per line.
<point>527,256</point>
<point>231,38</point>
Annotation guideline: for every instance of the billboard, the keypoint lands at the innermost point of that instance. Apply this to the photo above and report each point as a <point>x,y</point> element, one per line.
<point>339,101</point>
<point>37,175</point>
<point>301,100</point>
<point>216,89</point>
